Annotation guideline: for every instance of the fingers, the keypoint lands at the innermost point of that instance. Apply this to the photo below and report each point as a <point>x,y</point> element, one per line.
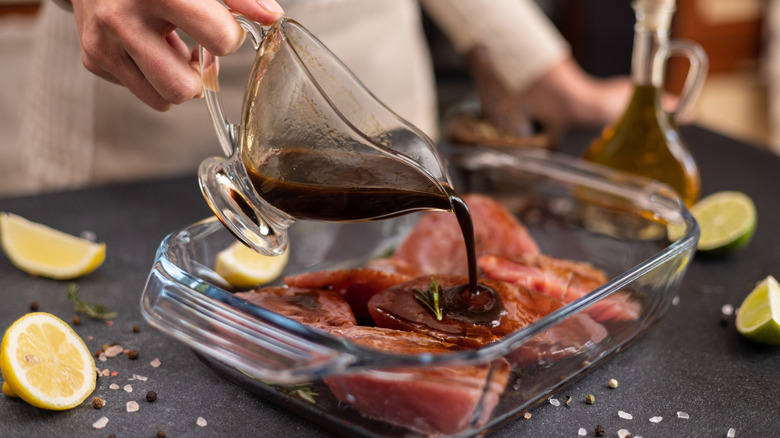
<point>166,75</point>
<point>131,42</point>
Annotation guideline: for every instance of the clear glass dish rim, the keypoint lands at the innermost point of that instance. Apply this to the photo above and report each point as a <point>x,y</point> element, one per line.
<point>354,357</point>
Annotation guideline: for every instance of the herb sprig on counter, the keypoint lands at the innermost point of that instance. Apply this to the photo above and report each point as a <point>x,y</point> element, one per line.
<point>93,310</point>
<point>431,299</point>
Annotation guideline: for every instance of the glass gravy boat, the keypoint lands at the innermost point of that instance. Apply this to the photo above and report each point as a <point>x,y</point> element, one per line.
<point>313,143</point>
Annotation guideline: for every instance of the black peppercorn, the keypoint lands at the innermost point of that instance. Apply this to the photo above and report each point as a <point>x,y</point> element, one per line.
<point>600,430</point>
<point>76,320</point>
<point>98,403</point>
<point>136,328</point>
<point>34,306</point>
<point>160,434</point>
<point>151,396</point>
<point>132,355</point>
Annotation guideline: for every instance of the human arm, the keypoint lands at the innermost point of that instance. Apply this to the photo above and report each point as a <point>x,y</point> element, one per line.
<point>526,59</point>
<point>134,43</point>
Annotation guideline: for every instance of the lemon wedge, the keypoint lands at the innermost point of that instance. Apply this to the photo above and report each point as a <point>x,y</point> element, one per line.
<point>46,363</point>
<point>244,268</point>
<point>46,252</point>
<point>759,315</point>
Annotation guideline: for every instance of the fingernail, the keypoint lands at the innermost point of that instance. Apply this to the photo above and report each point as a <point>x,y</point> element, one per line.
<point>271,6</point>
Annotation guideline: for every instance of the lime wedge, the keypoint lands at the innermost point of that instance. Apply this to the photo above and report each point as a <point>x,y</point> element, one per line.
<point>759,315</point>
<point>727,221</point>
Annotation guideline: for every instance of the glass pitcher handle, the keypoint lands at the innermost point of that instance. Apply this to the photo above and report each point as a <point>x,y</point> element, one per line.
<point>209,72</point>
<point>697,73</point>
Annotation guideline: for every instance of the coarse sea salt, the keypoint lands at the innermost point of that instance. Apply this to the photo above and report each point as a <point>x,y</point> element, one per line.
<point>582,432</point>
<point>113,386</point>
<point>555,402</point>
<point>623,433</point>
<point>137,377</point>
<point>113,351</point>
<point>731,433</point>
<point>128,388</point>
<point>101,423</point>
<point>625,415</point>
<point>132,406</point>
<point>727,309</point>
<point>683,415</point>
<point>155,363</point>
<point>201,422</point>
<point>656,419</point>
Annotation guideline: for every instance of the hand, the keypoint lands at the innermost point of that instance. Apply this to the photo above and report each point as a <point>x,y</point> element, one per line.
<point>566,96</point>
<point>133,43</point>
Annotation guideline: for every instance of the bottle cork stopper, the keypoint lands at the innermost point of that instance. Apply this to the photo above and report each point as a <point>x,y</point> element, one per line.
<point>656,14</point>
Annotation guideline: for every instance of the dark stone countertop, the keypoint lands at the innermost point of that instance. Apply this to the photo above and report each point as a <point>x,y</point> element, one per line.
<point>689,362</point>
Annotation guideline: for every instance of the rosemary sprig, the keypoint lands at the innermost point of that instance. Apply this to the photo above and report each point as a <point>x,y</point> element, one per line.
<point>304,391</point>
<point>430,299</point>
<point>93,310</point>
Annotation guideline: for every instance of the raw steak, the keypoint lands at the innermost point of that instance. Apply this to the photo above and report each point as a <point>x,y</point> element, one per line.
<point>561,279</point>
<point>436,400</point>
<point>435,245</point>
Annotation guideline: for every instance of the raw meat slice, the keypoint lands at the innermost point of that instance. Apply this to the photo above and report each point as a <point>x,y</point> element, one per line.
<point>357,285</point>
<point>435,245</point>
<point>436,400</point>
<point>319,308</point>
<point>562,279</point>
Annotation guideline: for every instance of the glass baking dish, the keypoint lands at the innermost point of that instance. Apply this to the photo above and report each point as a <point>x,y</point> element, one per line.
<point>574,210</point>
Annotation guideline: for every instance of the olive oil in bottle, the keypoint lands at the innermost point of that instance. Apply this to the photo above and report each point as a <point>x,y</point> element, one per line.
<point>645,140</point>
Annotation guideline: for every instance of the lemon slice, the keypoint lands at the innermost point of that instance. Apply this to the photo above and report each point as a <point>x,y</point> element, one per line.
<point>759,315</point>
<point>244,268</point>
<point>46,363</point>
<point>44,251</point>
<point>727,221</point>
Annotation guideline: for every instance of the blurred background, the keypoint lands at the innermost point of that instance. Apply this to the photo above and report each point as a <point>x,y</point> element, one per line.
<point>737,35</point>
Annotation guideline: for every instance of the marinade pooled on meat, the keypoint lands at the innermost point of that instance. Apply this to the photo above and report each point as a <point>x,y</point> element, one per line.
<point>400,308</point>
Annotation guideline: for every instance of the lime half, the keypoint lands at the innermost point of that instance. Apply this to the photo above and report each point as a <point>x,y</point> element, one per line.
<point>759,315</point>
<point>727,221</point>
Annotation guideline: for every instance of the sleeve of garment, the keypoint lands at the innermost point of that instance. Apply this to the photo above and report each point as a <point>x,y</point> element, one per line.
<point>522,41</point>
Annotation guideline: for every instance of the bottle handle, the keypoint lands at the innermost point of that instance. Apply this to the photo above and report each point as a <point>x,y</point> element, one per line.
<point>227,133</point>
<point>697,73</point>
